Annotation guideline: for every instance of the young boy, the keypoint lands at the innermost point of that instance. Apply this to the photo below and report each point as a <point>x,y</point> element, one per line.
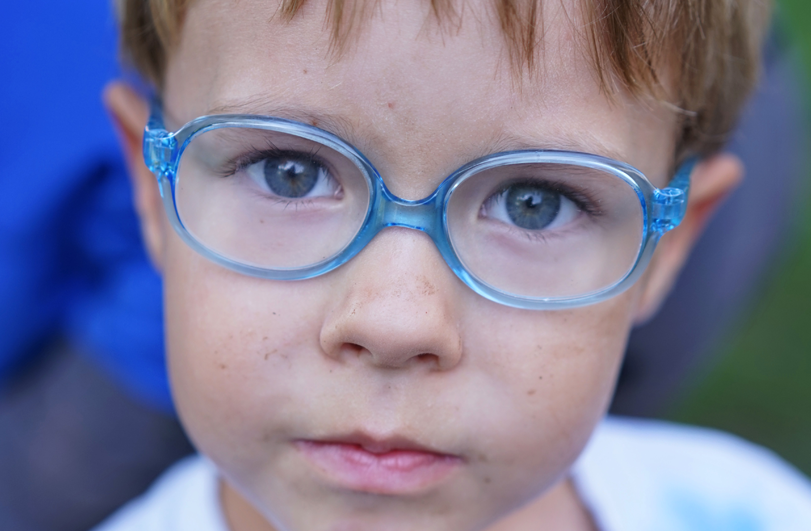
<point>404,246</point>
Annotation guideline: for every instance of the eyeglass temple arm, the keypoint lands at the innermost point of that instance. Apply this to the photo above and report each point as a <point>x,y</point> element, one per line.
<point>669,205</point>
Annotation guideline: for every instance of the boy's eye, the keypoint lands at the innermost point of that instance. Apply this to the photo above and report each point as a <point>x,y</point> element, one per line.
<point>530,206</point>
<point>292,176</point>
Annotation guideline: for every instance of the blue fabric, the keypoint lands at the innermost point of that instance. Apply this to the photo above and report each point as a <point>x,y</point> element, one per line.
<point>71,260</point>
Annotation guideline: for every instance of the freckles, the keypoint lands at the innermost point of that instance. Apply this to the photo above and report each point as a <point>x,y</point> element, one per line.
<point>560,367</point>
<point>229,336</point>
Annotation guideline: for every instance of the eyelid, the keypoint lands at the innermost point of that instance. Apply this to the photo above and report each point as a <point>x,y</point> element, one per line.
<point>238,163</point>
<point>582,200</point>
<point>254,155</point>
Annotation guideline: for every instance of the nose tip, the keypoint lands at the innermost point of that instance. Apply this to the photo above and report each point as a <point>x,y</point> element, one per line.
<point>395,306</point>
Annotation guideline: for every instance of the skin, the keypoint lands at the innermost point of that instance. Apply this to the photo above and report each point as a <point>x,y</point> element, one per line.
<point>392,343</point>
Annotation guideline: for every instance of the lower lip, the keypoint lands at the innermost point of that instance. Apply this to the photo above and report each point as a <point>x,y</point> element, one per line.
<point>393,472</point>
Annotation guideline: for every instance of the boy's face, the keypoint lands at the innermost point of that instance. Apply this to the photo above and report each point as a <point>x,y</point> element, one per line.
<point>296,390</point>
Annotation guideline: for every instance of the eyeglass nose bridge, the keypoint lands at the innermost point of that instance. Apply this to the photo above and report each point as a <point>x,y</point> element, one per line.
<point>424,215</point>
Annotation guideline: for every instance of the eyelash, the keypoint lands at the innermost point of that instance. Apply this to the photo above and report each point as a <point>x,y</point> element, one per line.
<point>253,155</point>
<point>584,202</point>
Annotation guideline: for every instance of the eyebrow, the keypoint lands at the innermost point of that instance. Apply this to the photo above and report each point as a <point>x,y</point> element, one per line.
<point>579,141</point>
<point>263,105</point>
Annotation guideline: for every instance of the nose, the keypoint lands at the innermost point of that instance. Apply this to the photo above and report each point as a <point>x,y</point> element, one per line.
<point>395,305</point>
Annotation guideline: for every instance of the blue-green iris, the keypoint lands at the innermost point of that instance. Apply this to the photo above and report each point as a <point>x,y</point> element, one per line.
<point>531,206</point>
<point>291,175</point>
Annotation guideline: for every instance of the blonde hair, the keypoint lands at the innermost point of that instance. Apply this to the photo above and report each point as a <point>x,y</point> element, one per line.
<point>714,44</point>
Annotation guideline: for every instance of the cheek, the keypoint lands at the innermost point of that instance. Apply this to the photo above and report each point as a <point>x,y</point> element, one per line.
<point>230,343</point>
<point>546,379</point>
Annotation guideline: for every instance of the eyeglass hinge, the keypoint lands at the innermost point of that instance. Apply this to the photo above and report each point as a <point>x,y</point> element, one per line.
<point>159,151</point>
<point>667,208</point>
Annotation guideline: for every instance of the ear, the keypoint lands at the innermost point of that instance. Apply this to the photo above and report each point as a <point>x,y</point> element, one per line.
<point>130,112</point>
<point>712,180</point>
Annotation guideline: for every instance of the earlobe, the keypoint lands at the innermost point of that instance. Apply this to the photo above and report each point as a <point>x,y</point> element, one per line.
<point>712,180</point>
<point>129,113</point>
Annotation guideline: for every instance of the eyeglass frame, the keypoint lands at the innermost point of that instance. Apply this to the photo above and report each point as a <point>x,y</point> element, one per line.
<point>663,209</point>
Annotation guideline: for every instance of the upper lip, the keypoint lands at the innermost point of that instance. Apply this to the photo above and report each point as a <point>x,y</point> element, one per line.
<point>379,444</point>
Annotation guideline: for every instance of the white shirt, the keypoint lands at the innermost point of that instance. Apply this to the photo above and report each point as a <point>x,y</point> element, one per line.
<point>642,475</point>
<point>634,475</point>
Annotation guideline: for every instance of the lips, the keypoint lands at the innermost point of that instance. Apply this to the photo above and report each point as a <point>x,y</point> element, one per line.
<point>390,466</point>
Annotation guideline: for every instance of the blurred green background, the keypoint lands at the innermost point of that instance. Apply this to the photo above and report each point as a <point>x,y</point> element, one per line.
<point>761,386</point>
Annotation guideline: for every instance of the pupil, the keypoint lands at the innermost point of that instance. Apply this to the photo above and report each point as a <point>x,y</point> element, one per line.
<point>291,176</point>
<point>532,207</point>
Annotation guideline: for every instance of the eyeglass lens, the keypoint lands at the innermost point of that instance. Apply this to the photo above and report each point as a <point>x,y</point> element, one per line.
<point>279,201</point>
<point>269,199</point>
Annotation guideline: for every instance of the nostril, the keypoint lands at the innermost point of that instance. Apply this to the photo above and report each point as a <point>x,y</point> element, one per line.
<point>346,351</point>
<point>426,359</point>
<point>354,348</point>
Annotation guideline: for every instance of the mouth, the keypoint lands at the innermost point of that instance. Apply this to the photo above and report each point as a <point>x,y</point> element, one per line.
<point>380,466</point>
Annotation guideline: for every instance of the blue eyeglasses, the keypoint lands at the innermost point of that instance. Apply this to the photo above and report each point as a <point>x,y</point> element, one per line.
<point>534,229</point>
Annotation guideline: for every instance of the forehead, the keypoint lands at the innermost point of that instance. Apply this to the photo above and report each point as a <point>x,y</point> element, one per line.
<point>408,88</point>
